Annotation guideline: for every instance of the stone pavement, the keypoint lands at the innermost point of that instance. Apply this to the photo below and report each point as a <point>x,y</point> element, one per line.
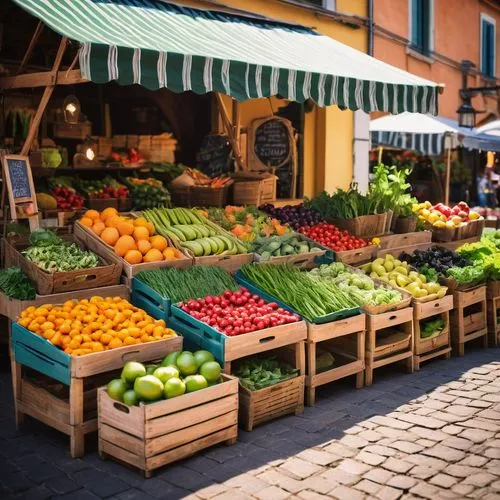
<point>434,434</point>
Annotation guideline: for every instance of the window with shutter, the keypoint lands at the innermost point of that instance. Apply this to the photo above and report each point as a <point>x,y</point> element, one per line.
<point>421,20</point>
<point>488,56</point>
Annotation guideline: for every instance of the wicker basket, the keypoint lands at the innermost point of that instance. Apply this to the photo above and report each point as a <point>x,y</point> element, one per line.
<point>199,196</point>
<point>255,191</point>
<point>365,226</point>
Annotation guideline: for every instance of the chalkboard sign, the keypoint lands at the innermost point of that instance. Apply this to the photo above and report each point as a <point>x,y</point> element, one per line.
<point>272,142</point>
<point>18,184</point>
<point>215,155</point>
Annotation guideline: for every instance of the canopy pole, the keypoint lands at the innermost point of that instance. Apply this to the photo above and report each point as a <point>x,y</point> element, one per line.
<point>236,121</point>
<point>47,93</point>
<point>31,46</point>
<point>447,181</point>
<point>230,131</point>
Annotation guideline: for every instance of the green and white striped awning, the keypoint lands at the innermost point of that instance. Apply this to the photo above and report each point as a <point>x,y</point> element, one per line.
<point>158,44</point>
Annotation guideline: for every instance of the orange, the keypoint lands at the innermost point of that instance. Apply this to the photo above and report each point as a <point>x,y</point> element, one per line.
<point>87,221</point>
<point>124,244</point>
<point>144,246</point>
<point>110,236</point>
<point>141,233</point>
<point>116,342</point>
<point>125,227</point>
<point>113,221</point>
<point>92,214</point>
<point>133,257</point>
<point>170,253</point>
<point>140,222</point>
<point>158,242</point>
<point>151,228</point>
<point>154,255</point>
<point>108,212</point>
<point>98,228</point>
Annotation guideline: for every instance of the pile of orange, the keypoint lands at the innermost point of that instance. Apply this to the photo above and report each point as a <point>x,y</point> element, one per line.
<point>94,325</point>
<point>134,239</point>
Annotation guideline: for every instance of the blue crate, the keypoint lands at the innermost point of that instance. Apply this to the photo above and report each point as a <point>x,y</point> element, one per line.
<point>151,301</point>
<point>38,353</point>
<point>198,334</point>
<point>252,287</point>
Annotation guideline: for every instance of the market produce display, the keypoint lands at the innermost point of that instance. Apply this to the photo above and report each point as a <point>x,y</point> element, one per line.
<point>247,223</point>
<point>295,216</point>
<point>178,373</point>
<point>134,239</point>
<point>260,372</point>
<point>330,236</point>
<point>192,283</point>
<point>126,157</point>
<point>189,229</point>
<point>147,193</point>
<point>80,327</point>
<point>484,255</point>
<point>359,286</point>
<point>289,244</point>
<point>442,216</point>
<point>308,296</point>
<point>52,254</point>
<point>438,258</point>
<point>102,189</point>
<point>16,285</point>
<point>399,274</point>
<point>61,188</point>
<point>235,313</point>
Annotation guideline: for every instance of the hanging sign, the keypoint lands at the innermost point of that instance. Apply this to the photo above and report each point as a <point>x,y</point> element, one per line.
<point>18,182</point>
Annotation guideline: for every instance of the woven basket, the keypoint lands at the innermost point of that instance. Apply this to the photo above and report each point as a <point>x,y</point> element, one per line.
<point>365,226</point>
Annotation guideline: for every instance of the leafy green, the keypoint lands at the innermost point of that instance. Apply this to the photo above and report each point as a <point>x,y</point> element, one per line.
<point>16,285</point>
<point>258,373</point>
<point>430,327</point>
<point>468,274</point>
<point>61,257</point>
<point>429,272</point>
<point>44,238</point>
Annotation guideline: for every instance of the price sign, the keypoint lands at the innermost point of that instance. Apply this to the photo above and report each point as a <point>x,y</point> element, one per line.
<point>272,142</point>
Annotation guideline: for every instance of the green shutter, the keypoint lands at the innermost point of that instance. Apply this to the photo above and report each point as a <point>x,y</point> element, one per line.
<point>488,49</point>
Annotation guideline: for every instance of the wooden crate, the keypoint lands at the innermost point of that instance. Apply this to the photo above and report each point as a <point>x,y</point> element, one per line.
<point>467,325</point>
<point>397,347</point>
<point>397,251</point>
<point>404,240</point>
<point>257,407</point>
<point>153,435</point>
<point>302,261</point>
<point>493,307</point>
<point>358,256</point>
<point>230,263</point>
<point>333,337</point>
<point>99,247</point>
<point>453,245</point>
<point>70,413</point>
<point>254,191</point>
<point>365,226</point>
<point>107,273</point>
<point>432,347</point>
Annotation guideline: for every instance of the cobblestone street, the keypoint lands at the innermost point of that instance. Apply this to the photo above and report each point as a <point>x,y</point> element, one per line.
<point>434,434</point>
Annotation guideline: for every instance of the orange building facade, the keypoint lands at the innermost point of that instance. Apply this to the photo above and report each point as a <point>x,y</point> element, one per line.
<point>430,38</point>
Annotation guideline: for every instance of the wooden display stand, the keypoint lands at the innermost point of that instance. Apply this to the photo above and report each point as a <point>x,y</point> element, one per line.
<point>153,435</point>
<point>383,349</point>
<point>431,347</point>
<point>345,339</point>
<point>468,325</point>
<point>257,407</point>
<point>493,306</point>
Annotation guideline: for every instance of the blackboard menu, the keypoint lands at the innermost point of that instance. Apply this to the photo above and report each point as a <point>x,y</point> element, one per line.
<point>272,143</point>
<point>19,178</point>
<point>215,155</point>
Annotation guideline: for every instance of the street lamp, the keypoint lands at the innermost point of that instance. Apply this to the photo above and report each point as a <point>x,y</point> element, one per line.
<point>466,112</point>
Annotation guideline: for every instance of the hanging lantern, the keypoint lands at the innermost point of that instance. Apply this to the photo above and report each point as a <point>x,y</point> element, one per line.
<point>71,109</point>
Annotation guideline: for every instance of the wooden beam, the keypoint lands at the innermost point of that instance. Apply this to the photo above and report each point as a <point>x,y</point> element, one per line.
<point>230,131</point>
<point>31,46</point>
<point>42,79</point>
<point>47,93</point>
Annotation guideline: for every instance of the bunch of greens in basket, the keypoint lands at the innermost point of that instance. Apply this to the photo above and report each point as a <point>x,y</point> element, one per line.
<point>258,373</point>
<point>183,284</point>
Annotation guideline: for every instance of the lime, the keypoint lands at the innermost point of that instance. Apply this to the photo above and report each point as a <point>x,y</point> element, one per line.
<point>210,370</point>
<point>130,397</point>
<point>174,387</point>
<point>132,370</point>
<point>116,388</point>
<point>165,372</point>
<point>148,388</point>
<point>203,357</point>
<point>186,363</point>
<point>171,359</point>
<point>195,383</point>
<point>150,369</point>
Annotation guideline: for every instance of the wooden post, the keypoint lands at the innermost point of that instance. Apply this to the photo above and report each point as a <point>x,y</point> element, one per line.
<point>230,131</point>
<point>47,93</point>
<point>31,46</point>
<point>447,181</point>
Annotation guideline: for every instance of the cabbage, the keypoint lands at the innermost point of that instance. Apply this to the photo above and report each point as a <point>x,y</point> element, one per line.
<point>43,238</point>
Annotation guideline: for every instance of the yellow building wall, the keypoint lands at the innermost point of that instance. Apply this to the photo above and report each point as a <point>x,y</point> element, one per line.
<point>328,132</point>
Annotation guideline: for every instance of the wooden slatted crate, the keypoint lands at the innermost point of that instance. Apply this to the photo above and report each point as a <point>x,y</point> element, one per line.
<point>432,347</point>
<point>153,435</point>
<point>389,339</point>
<point>345,339</point>
<point>466,323</point>
<point>493,307</point>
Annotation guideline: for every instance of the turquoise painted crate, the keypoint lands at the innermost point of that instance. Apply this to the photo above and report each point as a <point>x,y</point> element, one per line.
<point>252,287</point>
<point>38,353</point>
<point>151,301</point>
